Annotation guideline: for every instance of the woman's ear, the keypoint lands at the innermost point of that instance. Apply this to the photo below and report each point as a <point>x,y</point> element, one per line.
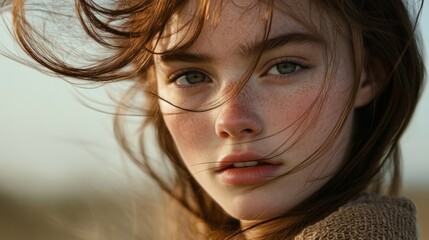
<point>372,83</point>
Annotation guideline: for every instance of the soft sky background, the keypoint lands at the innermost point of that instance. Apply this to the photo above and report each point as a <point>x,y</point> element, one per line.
<point>50,144</point>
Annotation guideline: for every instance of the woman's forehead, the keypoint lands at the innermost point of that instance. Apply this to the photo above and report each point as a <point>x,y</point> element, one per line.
<point>243,22</point>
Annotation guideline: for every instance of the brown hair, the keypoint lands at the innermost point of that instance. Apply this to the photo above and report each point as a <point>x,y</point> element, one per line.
<point>383,38</point>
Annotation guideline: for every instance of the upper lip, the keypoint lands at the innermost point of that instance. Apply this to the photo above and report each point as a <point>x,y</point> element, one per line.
<point>236,157</point>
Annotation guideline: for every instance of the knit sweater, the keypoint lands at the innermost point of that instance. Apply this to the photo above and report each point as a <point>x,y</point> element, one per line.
<point>367,217</point>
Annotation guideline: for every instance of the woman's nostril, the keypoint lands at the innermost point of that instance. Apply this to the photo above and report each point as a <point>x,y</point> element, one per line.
<point>247,130</point>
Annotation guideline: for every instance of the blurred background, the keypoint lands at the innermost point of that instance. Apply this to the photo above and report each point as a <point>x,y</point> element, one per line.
<point>62,175</point>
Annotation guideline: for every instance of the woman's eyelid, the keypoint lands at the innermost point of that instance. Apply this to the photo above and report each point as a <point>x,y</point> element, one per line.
<point>299,62</point>
<point>180,73</point>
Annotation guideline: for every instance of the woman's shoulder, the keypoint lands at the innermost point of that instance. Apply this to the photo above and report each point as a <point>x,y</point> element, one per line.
<point>367,217</point>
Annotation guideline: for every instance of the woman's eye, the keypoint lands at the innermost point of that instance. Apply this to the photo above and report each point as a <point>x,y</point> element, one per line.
<point>190,78</point>
<point>284,68</point>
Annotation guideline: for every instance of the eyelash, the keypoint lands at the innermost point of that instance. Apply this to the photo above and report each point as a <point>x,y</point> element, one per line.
<point>175,76</point>
<point>301,66</point>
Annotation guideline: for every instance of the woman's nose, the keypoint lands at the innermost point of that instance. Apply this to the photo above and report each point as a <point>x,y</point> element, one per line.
<point>238,119</point>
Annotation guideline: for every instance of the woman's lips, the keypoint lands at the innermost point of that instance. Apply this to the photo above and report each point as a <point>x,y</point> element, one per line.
<point>245,168</point>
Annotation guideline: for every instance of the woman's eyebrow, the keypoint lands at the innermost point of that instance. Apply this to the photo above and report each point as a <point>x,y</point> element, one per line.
<point>253,48</point>
<point>184,56</point>
<point>248,49</point>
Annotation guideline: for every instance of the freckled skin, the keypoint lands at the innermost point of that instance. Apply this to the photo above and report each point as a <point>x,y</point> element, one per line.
<point>263,107</point>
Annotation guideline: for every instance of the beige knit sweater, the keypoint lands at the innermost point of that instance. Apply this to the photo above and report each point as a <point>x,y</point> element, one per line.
<point>367,217</point>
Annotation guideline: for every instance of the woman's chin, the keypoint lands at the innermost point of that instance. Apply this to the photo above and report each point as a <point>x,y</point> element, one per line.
<point>255,210</point>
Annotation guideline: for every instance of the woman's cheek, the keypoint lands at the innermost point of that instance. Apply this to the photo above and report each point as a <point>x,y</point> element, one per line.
<point>190,131</point>
<point>288,110</point>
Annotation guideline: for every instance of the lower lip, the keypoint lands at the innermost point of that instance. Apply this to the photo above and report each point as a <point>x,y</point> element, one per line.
<point>248,175</point>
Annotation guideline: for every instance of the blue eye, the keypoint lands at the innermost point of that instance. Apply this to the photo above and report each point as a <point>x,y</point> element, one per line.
<point>190,78</point>
<point>284,68</point>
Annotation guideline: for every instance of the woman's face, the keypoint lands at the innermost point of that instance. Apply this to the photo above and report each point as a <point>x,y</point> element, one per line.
<point>239,151</point>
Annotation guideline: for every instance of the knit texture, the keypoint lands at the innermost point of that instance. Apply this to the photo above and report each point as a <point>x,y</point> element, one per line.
<point>367,217</point>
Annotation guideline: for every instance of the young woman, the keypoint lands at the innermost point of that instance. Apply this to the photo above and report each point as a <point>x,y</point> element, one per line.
<point>278,119</point>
